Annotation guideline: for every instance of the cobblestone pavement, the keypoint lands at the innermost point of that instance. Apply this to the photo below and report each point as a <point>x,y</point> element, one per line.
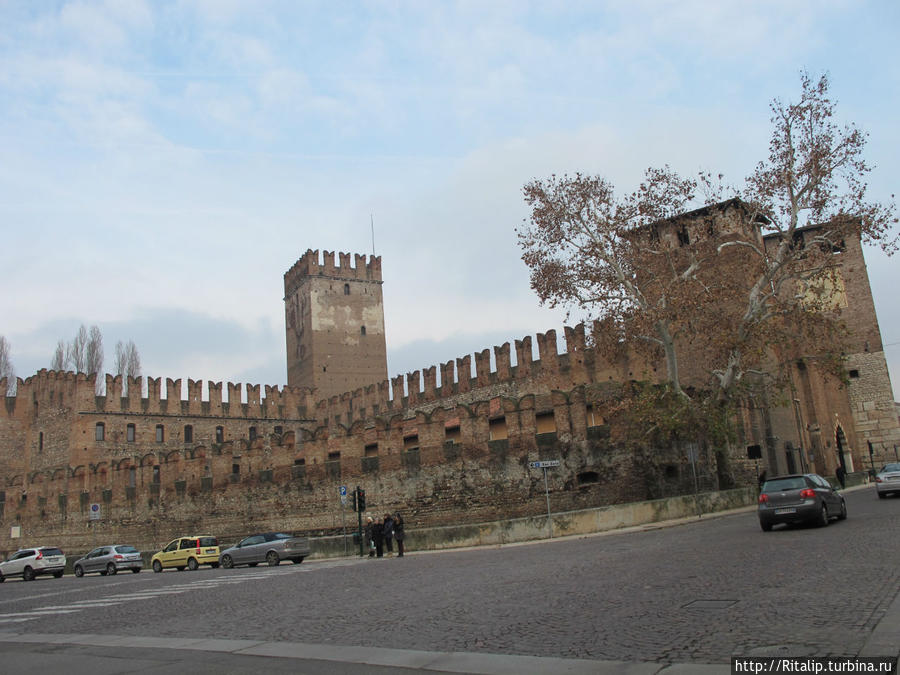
<point>699,592</point>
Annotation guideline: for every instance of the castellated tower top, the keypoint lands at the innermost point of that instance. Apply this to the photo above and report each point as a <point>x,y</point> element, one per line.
<point>309,266</point>
<point>334,323</point>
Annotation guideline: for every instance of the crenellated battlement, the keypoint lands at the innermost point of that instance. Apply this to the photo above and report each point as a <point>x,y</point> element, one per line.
<point>402,394</point>
<point>309,265</point>
<point>49,389</point>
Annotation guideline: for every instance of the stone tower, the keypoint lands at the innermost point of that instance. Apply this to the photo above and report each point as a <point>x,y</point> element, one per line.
<point>334,319</point>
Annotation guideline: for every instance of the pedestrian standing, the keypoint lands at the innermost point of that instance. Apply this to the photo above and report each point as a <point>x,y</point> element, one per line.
<point>389,534</point>
<point>370,544</point>
<point>841,474</point>
<point>399,534</point>
<point>378,537</point>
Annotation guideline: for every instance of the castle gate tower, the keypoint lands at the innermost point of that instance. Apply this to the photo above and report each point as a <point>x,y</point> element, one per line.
<point>334,319</point>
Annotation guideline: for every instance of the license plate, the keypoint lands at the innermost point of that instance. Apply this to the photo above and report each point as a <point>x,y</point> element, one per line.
<point>210,550</point>
<point>779,512</point>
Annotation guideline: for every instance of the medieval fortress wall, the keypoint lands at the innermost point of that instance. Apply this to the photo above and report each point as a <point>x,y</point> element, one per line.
<point>444,445</point>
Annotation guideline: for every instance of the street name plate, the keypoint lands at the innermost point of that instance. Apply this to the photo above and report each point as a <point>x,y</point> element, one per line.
<point>545,464</point>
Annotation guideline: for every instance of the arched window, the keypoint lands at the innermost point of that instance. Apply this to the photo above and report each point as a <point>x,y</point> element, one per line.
<point>346,289</point>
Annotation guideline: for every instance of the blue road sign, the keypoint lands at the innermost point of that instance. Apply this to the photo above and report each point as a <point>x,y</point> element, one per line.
<point>343,490</point>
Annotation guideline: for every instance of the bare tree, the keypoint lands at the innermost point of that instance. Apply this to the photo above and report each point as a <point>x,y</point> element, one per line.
<point>6,367</point>
<point>59,357</point>
<point>128,362</point>
<point>93,356</point>
<point>75,351</point>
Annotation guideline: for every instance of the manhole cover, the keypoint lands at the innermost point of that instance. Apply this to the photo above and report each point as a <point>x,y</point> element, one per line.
<point>710,604</point>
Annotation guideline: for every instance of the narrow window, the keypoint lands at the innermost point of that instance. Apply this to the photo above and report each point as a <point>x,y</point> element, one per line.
<point>279,430</point>
<point>100,431</point>
<point>346,289</point>
<point>498,430</point>
<point>545,423</point>
<point>41,442</point>
<point>235,469</point>
<point>362,330</point>
<point>684,238</point>
<point>220,434</point>
<point>452,434</point>
<point>132,477</point>
<point>156,474</point>
<point>129,433</point>
<point>160,433</point>
<point>252,433</point>
<point>188,433</point>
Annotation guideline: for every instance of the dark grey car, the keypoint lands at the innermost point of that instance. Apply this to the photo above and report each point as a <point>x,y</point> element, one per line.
<point>799,498</point>
<point>267,547</point>
<point>109,560</point>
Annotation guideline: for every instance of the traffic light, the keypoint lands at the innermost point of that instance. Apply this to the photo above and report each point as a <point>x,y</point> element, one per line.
<point>353,494</point>
<point>360,499</point>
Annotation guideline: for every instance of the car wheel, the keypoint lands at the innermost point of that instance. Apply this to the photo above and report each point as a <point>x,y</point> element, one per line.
<point>28,574</point>
<point>192,564</point>
<point>157,566</point>
<point>111,568</point>
<point>823,517</point>
<point>272,558</point>
<point>136,569</point>
<point>766,527</point>
<point>58,575</point>
<point>227,562</point>
<point>78,571</point>
<point>843,515</point>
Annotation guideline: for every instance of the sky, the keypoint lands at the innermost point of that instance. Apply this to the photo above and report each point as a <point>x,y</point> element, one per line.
<point>163,163</point>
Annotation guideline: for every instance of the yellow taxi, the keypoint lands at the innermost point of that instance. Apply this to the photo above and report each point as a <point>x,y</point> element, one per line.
<point>190,552</point>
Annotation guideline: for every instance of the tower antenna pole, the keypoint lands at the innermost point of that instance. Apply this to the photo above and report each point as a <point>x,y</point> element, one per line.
<point>372,221</point>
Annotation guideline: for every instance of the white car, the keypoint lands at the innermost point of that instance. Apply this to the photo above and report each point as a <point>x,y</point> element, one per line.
<point>31,562</point>
<point>888,480</point>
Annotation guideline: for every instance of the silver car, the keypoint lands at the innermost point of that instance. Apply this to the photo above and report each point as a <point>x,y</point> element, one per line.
<point>109,560</point>
<point>799,498</point>
<point>268,547</point>
<point>29,563</point>
<point>888,480</point>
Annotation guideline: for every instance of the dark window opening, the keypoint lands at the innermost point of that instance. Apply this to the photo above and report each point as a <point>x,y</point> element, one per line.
<point>188,433</point>
<point>334,456</point>
<point>300,462</point>
<point>588,477</point>
<point>156,474</point>
<point>235,469</point>
<point>854,373</point>
<point>129,433</point>
<point>362,330</point>
<point>684,238</point>
<point>279,430</point>
<point>41,442</point>
<point>160,433</point>
<point>252,433</point>
<point>100,431</point>
<point>372,450</point>
<point>220,434</point>
<point>346,289</point>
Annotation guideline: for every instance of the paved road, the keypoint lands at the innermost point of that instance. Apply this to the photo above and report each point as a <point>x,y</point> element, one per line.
<point>696,593</point>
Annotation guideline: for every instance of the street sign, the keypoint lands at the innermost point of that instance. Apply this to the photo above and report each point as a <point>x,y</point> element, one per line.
<point>95,512</point>
<point>545,464</point>
<point>343,495</point>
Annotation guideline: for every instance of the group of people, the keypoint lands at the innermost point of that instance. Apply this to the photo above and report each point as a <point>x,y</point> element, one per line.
<point>381,533</point>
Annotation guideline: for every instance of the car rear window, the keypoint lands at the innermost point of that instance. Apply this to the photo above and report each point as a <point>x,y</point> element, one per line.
<point>126,549</point>
<point>209,541</point>
<point>51,551</point>
<point>797,483</point>
<point>890,467</point>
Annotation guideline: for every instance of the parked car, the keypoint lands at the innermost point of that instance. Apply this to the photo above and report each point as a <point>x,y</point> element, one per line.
<point>888,480</point>
<point>190,552</point>
<point>29,563</point>
<point>799,498</point>
<point>109,560</point>
<point>268,547</point>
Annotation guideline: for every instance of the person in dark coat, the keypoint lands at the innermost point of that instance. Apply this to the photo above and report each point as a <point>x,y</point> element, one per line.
<point>389,534</point>
<point>399,534</point>
<point>841,474</point>
<point>378,537</point>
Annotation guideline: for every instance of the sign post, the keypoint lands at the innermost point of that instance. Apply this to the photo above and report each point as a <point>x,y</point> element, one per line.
<point>546,464</point>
